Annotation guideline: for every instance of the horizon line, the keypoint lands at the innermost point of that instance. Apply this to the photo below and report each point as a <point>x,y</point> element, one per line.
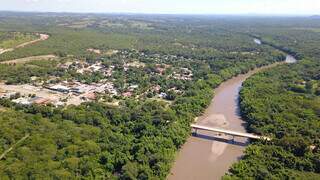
<point>164,13</point>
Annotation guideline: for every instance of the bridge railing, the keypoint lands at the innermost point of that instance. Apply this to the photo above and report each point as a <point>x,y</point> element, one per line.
<point>229,132</point>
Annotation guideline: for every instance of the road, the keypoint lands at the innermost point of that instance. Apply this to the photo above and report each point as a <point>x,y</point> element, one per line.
<point>28,59</point>
<point>41,38</point>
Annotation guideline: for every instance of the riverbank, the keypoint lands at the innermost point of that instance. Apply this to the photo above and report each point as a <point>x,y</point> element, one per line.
<point>209,156</point>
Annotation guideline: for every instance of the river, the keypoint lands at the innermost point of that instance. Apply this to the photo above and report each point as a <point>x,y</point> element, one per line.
<point>208,156</point>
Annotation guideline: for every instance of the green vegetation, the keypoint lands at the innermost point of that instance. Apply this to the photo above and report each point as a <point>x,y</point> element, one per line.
<point>22,73</point>
<point>284,103</point>
<point>139,138</point>
<point>62,42</point>
<point>168,35</point>
<point>13,39</point>
<point>92,141</point>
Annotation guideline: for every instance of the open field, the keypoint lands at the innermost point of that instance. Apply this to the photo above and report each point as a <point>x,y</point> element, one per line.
<point>42,38</point>
<point>28,59</point>
<point>53,96</point>
<point>29,89</point>
<point>21,43</point>
<point>13,39</point>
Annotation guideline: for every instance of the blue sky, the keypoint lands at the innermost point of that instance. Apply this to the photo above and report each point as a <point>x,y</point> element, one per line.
<point>279,7</point>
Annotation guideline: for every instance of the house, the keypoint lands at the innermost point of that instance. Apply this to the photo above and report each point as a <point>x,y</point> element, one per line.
<point>186,71</point>
<point>60,88</point>
<point>7,95</point>
<point>160,70</point>
<point>40,100</point>
<point>33,78</point>
<point>174,89</point>
<point>58,103</point>
<point>77,90</point>
<point>133,87</point>
<point>127,94</point>
<point>163,95</point>
<point>96,67</point>
<point>185,74</point>
<point>156,88</point>
<point>89,96</point>
<point>22,100</point>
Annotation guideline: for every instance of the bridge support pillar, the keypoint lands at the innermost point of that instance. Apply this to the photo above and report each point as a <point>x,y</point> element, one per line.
<point>232,140</point>
<point>196,132</point>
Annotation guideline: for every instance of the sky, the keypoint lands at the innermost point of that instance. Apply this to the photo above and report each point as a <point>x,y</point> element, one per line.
<point>270,7</point>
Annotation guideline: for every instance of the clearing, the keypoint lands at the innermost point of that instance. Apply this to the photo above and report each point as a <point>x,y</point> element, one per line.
<point>28,59</point>
<point>41,38</point>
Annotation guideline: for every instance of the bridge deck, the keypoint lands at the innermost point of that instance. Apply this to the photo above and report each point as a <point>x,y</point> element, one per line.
<point>230,132</point>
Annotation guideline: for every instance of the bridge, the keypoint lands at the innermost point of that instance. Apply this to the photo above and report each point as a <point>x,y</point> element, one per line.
<point>228,132</point>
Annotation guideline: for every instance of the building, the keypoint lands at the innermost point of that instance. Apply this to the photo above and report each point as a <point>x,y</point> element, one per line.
<point>133,87</point>
<point>163,95</point>
<point>89,96</point>
<point>7,95</point>
<point>40,101</point>
<point>156,88</point>
<point>127,94</point>
<point>22,100</point>
<point>60,88</point>
<point>58,103</point>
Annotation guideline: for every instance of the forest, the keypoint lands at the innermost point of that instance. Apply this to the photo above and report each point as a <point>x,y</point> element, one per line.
<point>284,103</point>
<point>139,138</point>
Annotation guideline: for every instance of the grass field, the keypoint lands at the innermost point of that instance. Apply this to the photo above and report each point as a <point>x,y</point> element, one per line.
<point>13,39</point>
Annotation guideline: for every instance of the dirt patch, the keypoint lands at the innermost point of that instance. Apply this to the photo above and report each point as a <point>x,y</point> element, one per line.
<point>53,96</point>
<point>28,59</point>
<point>111,52</point>
<point>136,64</point>
<point>5,50</point>
<point>29,89</point>
<point>115,103</point>
<point>2,109</point>
<point>96,51</point>
<point>42,38</point>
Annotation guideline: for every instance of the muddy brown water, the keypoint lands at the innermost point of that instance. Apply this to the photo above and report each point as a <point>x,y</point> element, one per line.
<point>208,156</point>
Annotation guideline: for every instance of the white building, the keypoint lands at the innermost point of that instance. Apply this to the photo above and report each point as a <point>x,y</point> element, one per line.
<point>23,101</point>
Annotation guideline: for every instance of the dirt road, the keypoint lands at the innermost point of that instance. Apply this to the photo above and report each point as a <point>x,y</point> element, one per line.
<point>42,38</point>
<point>28,59</point>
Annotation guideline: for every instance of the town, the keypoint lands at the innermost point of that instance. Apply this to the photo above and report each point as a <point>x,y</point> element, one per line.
<point>76,90</point>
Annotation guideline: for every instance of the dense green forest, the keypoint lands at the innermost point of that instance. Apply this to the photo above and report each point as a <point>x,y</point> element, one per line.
<point>139,138</point>
<point>284,103</point>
